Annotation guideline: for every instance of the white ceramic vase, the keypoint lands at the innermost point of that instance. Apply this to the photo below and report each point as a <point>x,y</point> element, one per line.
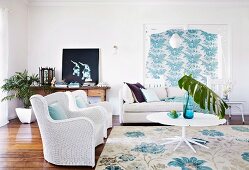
<point>25,115</point>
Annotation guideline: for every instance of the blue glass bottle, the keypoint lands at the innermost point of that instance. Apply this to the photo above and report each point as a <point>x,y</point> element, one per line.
<point>188,107</point>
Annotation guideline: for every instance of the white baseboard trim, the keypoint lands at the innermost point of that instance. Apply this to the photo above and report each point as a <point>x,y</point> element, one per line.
<point>12,117</point>
<point>3,123</point>
<point>238,113</point>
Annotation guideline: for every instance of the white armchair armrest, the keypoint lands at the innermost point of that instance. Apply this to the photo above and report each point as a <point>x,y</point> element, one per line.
<point>92,113</point>
<point>106,105</point>
<point>95,114</point>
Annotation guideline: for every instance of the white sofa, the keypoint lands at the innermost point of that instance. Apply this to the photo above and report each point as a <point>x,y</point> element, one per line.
<point>131,112</point>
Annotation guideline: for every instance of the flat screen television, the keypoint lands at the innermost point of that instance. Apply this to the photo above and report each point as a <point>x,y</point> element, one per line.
<point>80,65</point>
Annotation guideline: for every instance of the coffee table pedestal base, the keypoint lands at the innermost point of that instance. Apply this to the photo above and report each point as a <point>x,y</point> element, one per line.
<point>182,139</point>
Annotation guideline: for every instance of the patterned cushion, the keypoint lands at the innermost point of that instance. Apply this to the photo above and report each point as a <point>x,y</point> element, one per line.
<point>56,112</point>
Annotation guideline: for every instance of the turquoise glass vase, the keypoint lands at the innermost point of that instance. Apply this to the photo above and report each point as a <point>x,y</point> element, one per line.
<point>188,107</point>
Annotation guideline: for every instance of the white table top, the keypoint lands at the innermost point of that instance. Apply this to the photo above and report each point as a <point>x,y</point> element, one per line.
<point>200,119</point>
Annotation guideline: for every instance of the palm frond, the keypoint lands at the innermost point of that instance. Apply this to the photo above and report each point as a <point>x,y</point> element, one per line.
<point>20,84</point>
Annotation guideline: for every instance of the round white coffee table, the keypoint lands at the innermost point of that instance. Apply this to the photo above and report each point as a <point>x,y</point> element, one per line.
<point>199,120</point>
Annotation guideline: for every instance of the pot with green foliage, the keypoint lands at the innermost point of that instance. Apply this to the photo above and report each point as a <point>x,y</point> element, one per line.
<point>18,86</point>
<point>203,96</point>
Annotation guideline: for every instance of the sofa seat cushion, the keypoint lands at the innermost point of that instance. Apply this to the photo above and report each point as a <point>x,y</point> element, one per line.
<point>153,107</point>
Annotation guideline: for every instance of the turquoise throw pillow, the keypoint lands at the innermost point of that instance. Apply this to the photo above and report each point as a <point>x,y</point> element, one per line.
<point>80,102</point>
<point>56,112</point>
<point>150,95</point>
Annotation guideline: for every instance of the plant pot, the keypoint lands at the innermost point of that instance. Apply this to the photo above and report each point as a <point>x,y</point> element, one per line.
<point>25,115</point>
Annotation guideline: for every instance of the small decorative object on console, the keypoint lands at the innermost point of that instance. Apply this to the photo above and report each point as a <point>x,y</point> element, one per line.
<point>88,83</point>
<point>61,84</point>
<point>103,84</point>
<point>46,75</point>
<point>53,81</point>
<point>74,85</point>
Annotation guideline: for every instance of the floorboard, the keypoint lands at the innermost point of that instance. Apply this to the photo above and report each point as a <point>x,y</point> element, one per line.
<point>21,147</point>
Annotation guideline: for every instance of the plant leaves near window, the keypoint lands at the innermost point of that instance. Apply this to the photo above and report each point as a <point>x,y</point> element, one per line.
<point>20,84</point>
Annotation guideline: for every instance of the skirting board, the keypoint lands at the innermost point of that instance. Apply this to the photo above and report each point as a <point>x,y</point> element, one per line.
<point>3,123</point>
<point>12,117</point>
<point>238,113</point>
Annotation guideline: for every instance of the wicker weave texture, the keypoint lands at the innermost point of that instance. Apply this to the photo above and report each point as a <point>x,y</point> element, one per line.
<point>71,141</point>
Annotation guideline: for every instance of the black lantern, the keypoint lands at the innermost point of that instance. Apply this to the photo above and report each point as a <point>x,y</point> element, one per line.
<point>46,75</point>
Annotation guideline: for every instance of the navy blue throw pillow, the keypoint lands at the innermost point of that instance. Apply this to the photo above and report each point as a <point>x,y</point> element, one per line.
<point>136,90</point>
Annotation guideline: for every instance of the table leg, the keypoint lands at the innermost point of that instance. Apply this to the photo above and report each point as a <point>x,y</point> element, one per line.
<point>183,138</point>
<point>178,145</point>
<point>240,106</point>
<point>230,110</point>
<point>189,144</point>
<point>242,113</point>
<point>173,141</point>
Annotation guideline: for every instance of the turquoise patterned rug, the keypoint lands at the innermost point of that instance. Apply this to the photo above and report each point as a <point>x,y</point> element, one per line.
<point>141,148</point>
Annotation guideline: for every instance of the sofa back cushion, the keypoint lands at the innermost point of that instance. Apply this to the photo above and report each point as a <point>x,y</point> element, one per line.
<point>150,95</point>
<point>127,94</point>
<point>175,92</point>
<point>161,92</point>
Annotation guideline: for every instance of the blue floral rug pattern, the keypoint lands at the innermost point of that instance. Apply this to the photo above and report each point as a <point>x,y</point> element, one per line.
<point>143,148</point>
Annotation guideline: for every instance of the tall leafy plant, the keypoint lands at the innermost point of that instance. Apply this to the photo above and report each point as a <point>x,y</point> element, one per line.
<point>203,96</point>
<point>19,86</point>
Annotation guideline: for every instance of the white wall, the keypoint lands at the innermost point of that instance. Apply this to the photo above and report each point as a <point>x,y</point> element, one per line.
<point>52,28</point>
<point>18,15</point>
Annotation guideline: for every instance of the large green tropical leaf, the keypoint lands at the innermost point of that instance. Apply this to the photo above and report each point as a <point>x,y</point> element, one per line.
<point>204,96</point>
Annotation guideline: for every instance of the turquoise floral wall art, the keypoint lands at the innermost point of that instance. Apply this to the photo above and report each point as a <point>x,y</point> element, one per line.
<point>197,55</point>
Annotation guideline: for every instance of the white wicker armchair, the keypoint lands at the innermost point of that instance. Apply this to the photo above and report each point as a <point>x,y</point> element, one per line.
<point>71,141</point>
<point>105,107</point>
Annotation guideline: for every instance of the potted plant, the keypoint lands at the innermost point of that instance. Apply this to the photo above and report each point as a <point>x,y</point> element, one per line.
<point>19,87</point>
<point>203,96</point>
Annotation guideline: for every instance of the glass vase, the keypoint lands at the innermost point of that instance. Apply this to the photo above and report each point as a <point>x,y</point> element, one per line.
<point>188,107</point>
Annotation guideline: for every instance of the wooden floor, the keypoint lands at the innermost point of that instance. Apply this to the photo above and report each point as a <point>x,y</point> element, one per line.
<point>21,147</point>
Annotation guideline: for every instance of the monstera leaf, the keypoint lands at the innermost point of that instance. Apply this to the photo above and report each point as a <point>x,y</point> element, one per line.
<point>203,96</point>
